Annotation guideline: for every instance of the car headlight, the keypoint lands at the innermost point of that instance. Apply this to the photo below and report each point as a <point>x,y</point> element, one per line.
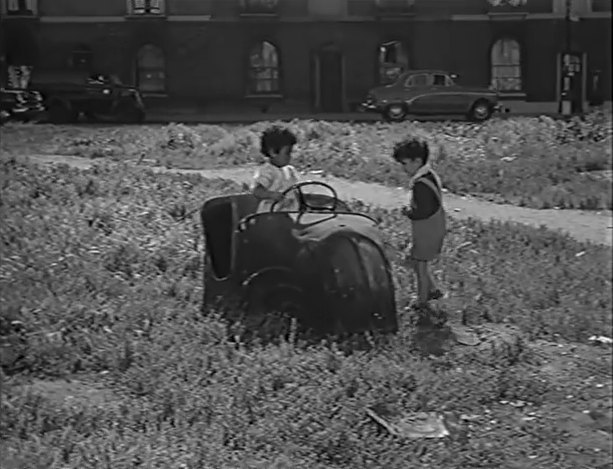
<point>106,91</point>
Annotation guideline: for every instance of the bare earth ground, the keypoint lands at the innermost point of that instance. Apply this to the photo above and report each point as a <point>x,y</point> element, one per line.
<point>585,415</point>
<point>595,227</point>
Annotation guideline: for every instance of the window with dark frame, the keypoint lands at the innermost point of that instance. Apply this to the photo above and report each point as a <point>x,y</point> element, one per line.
<point>601,5</point>
<point>147,7</point>
<point>506,65</point>
<point>20,7</point>
<point>438,79</point>
<point>264,69</point>
<point>422,79</point>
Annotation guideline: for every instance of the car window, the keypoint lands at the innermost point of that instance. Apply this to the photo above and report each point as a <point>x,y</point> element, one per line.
<point>422,79</point>
<point>440,80</point>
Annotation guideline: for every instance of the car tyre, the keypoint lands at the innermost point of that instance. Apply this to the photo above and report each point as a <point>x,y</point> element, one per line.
<point>395,112</point>
<point>480,111</point>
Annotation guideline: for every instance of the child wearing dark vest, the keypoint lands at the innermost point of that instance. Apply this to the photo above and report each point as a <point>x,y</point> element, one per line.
<point>427,217</point>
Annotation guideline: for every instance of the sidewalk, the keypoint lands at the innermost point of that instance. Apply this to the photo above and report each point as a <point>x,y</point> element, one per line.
<point>590,226</point>
<point>163,114</point>
<point>194,116</point>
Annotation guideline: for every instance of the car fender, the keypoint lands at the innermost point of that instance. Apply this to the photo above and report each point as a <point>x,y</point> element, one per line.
<point>259,287</point>
<point>476,99</point>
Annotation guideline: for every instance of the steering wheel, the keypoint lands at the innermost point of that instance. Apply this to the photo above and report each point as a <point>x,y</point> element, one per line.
<point>302,199</point>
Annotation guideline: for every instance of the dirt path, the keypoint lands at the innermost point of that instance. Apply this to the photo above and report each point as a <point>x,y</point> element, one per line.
<point>596,227</point>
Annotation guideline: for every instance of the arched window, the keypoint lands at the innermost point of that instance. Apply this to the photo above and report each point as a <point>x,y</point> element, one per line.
<point>151,69</point>
<point>264,69</point>
<point>506,65</point>
<point>393,60</point>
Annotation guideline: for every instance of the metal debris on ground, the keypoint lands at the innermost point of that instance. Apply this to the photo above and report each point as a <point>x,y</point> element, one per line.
<point>412,425</point>
<point>464,336</point>
<point>600,339</point>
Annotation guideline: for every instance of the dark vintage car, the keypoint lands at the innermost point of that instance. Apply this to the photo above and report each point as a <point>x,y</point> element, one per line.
<point>322,264</point>
<point>71,94</point>
<point>430,92</point>
<point>20,105</point>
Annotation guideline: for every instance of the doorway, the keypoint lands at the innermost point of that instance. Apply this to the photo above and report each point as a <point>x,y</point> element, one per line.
<point>329,79</point>
<point>151,70</point>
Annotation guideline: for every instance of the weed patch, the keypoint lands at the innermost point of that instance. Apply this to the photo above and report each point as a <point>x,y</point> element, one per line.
<point>100,280</point>
<point>534,162</point>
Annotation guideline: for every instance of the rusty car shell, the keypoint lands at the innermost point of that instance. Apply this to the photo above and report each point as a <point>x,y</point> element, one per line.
<point>328,268</point>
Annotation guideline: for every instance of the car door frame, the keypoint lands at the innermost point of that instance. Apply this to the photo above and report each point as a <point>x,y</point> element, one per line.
<point>416,95</point>
<point>445,98</point>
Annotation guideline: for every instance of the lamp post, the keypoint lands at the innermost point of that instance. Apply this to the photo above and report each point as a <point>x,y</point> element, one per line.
<point>565,107</point>
<point>568,24</point>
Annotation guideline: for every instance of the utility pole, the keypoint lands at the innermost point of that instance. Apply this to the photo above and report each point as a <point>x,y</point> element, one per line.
<point>565,107</point>
<point>569,25</point>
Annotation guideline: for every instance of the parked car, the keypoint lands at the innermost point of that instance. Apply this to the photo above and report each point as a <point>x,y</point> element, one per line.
<point>321,264</point>
<point>20,105</point>
<point>430,92</point>
<point>70,94</point>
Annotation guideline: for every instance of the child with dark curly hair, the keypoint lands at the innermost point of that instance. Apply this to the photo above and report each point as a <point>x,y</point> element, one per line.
<point>428,219</point>
<point>276,175</point>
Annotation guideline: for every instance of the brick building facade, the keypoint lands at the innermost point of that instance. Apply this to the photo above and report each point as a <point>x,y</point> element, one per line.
<point>313,54</point>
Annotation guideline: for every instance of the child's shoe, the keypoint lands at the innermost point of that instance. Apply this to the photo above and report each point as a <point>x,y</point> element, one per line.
<point>424,315</point>
<point>435,294</point>
<point>427,316</point>
<point>439,318</point>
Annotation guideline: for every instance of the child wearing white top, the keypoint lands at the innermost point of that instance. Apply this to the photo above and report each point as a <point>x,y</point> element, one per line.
<point>276,175</point>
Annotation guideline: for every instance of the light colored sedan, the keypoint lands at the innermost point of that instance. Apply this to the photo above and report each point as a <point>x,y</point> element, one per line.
<point>430,92</point>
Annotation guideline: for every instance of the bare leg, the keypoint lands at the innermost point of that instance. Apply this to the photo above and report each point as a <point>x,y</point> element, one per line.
<point>423,285</point>
<point>431,282</point>
<point>413,264</point>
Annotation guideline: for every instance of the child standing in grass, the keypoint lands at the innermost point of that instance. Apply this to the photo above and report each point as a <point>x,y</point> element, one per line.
<point>427,219</point>
<point>276,175</point>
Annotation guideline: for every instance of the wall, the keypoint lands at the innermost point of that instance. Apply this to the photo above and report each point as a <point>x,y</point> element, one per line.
<point>207,60</point>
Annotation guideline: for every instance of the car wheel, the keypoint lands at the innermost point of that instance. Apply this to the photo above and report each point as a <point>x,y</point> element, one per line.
<point>481,111</point>
<point>60,113</point>
<point>395,112</point>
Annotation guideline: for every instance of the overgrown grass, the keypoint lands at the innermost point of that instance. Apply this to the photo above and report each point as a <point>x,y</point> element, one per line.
<point>534,162</point>
<point>100,273</point>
